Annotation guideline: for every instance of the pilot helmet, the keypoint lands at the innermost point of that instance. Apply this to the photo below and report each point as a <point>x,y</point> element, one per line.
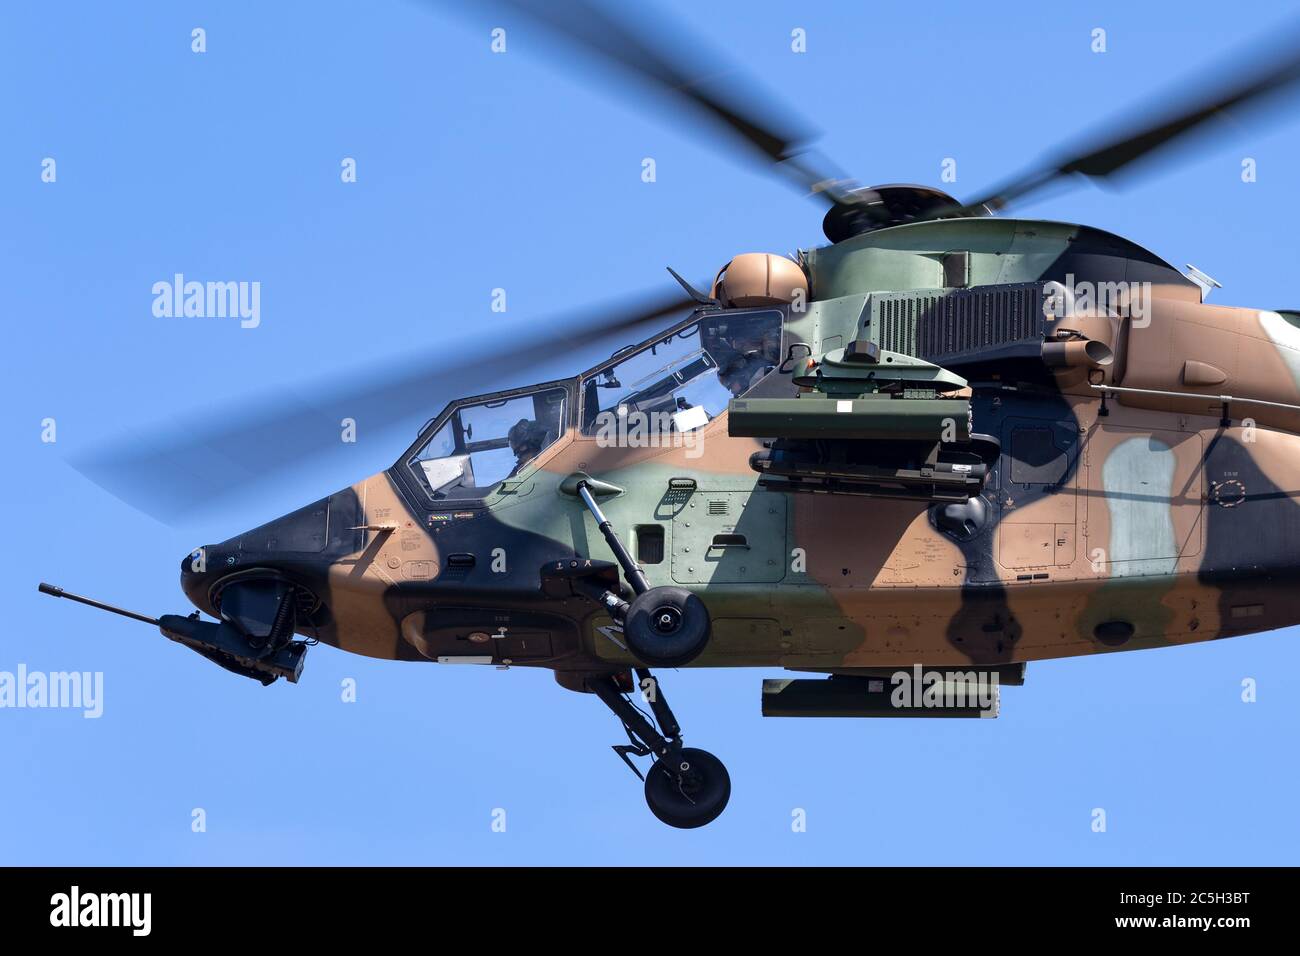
<point>526,435</point>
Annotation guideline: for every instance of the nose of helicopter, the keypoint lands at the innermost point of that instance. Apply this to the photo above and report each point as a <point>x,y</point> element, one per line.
<point>201,568</point>
<point>297,548</point>
<point>257,597</point>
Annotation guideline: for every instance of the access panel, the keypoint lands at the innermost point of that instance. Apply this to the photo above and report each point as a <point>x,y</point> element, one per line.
<point>730,537</point>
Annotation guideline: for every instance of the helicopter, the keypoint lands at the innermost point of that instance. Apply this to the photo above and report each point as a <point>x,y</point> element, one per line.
<point>943,445</point>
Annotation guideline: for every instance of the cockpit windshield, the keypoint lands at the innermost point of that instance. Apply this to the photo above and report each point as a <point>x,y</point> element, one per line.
<point>685,379</point>
<point>480,445</point>
<point>678,382</point>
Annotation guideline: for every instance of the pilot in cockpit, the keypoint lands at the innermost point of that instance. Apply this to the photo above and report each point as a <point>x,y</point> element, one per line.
<point>746,362</point>
<point>741,370</point>
<point>527,438</point>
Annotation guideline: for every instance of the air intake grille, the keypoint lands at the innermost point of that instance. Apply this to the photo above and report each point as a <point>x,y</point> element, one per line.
<point>940,325</point>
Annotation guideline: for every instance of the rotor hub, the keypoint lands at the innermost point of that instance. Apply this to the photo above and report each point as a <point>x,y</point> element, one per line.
<point>895,204</point>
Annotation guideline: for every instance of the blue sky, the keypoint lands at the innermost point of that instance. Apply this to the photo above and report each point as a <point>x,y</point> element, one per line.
<point>479,171</point>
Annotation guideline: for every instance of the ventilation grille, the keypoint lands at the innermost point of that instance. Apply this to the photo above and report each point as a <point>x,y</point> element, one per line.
<point>718,506</point>
<point>939,325</point>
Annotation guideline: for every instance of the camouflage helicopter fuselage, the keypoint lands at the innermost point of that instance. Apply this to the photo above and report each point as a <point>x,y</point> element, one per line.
<point>1145,515</point>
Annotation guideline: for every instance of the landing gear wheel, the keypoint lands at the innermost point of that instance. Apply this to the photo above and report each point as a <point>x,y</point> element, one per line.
<point>690,797</point>
<point>666,627</point>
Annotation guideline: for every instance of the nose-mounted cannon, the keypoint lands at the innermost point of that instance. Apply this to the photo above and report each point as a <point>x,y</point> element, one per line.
<point>254,637</point>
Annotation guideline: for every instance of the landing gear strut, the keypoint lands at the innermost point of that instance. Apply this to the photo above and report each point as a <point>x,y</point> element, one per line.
<point>686,787</point>
<point>663,626</point>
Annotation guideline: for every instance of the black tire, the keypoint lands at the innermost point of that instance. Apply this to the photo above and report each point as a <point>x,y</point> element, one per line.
<point>666,627</point>
<point>689,798</point>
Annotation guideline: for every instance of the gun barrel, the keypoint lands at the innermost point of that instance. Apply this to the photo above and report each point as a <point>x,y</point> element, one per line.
<point>58,592</point>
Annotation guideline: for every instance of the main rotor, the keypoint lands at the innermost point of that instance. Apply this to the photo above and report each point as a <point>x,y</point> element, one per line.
<point>278,432</point>
<point>662,57</point>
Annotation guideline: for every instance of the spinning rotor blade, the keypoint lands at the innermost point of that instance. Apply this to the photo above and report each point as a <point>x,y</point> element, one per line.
<point>180,468</point>
<point>719,92</point>
<point>1249,91</point>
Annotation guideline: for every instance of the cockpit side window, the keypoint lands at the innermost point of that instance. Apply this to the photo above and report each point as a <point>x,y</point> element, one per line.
<point>686,378</point>
<point>481,444</point>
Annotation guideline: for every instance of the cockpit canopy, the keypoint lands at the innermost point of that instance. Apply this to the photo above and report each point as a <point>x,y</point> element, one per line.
<point>676,382</point>
<point>481,444</point>
<point>684,379</point>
